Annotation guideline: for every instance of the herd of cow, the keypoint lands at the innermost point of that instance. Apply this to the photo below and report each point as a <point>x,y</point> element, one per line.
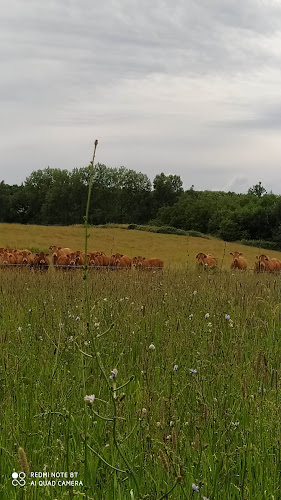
<point>263,264</point>
<point>65,258</point>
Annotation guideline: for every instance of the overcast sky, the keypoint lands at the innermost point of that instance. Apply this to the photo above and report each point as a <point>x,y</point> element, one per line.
<point>189,87</point>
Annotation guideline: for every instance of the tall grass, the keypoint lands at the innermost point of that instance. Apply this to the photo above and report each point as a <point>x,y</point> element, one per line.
<point>212,423</point>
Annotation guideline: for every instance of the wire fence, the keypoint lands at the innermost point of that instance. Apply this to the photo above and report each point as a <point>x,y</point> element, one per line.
<point>47,266</point>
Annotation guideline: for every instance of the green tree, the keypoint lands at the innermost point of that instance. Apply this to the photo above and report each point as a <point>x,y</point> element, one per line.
<point>257,190</point>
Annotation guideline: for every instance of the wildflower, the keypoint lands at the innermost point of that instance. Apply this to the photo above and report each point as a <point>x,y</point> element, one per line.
<point>30,310</point>
<point>114,373</point>
<point>231,323</point>
<point>152,347</point>
<point>158,424</point>
<point>144,411</point>
<point>227,316</point>
<point>195,292</point>
<point>89,399</point>
<point>193,370</point>
<point>19,328</point>
<point>195,488</point>
<point>175,368</point>
<point>209,325</point>
<point>262,389</point>
<point>105,299</point>
<point>190,316</point>
<point>77,318</point>
<point>126,298</point>
<point>171,423</point>
<point>207,315</point>
<point>96,325</point>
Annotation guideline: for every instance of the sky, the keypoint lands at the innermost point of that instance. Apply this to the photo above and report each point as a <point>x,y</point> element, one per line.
<point>186,87</point>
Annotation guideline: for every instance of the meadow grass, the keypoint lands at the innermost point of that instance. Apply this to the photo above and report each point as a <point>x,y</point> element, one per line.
<point>173,249</point>
<point>200,411</point>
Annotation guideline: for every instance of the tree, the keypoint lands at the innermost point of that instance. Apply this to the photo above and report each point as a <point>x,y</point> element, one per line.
<point>257,190</point>
<point>166,190</point>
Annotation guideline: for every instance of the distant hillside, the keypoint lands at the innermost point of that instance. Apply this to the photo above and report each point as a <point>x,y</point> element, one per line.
<point>173,249</point>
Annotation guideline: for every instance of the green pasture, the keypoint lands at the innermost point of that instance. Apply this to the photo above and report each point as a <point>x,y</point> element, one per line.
<point>200,414</point>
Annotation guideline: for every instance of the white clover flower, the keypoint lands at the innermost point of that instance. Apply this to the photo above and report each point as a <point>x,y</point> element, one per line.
<point>209,325</point>
<point>195,292</point>
<point>207,315</point>
<point>77,318</point>
<point>193,370</point>
<point>227,317</point>
<point>96,325</point>
<point>89,399</point>
<point>19,328</point>
<point>195,488</point>
<point>151,347</point>
<point>142,308</point>
<point>190,316</point>
<point>126,298</point>
<point>114,373</point>
<point>175,368</point>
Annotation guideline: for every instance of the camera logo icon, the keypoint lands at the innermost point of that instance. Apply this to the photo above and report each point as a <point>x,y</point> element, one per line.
<point>18,478</point>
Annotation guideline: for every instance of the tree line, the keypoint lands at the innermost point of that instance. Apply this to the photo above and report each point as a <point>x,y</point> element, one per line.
<point>123,196</point>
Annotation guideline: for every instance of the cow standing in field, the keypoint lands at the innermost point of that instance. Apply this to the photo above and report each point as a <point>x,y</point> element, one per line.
<point>58,251</point>
<point>265,264</point>
<point>144,263</point>
<point>7,259</point>
<point>41,261</point>
<point>120,261</point>
<point>238,261</point>
<point>206,260</point>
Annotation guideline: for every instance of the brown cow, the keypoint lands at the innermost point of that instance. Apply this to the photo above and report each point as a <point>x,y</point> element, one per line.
<point>41,261</point>
<point>143,263</point>
<point>238,261</point>
<point>206,260</point>
<point>266,264</point>
<point>7,259</point>
<point>121,261</point>
<point>57,251</point>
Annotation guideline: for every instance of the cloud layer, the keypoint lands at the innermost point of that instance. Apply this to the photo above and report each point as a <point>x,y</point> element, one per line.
<point>182,87</point>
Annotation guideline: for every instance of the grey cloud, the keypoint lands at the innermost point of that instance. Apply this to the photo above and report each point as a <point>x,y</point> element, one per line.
<point>72,71</point>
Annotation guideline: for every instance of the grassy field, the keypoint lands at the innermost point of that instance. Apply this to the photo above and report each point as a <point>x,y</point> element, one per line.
<point>194,411</point>
<point>172,249</point>
<point>200,414</point>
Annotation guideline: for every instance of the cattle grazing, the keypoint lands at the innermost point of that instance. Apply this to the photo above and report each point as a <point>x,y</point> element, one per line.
<point>238,261</point>
<point>266,264</point>
<point>206,260</point>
